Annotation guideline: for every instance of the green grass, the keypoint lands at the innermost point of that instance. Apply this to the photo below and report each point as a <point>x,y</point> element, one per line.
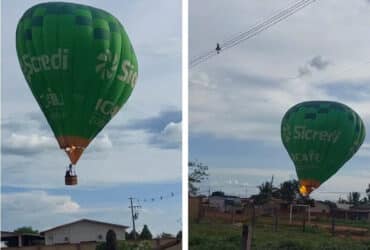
<point>218,236</point>
<point>352,223</point>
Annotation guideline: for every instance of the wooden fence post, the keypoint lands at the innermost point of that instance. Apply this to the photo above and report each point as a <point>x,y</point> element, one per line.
<point>246,237</point>
<point>275,219</point>
<point>158,243</point>
<point>304,221</point>
<point>332,223</point>
<point>233,215</point>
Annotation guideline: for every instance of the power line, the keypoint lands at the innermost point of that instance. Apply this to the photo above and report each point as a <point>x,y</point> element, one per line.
<point>255,30</point>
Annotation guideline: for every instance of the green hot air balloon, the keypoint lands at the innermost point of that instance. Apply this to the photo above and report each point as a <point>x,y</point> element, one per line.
<point>80,66</point>
<point>320,136</point>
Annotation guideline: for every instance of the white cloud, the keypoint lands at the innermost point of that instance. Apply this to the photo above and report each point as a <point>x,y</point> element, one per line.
<point>169,137</point>
<point>38,203</point>
<point>28,144</point>
<point>364,150</point>
<point>101,143</point>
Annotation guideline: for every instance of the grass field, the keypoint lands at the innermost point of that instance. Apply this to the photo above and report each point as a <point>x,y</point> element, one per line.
<point>218,236</point>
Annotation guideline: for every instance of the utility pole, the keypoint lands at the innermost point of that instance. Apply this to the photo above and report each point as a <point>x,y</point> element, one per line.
<point>133,215</point>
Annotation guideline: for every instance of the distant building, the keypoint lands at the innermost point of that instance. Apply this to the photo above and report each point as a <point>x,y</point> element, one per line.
<point>82,231</point>
<point>360,212</point>
<point>343,206</point>
<point>12,239</point>
<point>320,207</point>
<point>224,203</point>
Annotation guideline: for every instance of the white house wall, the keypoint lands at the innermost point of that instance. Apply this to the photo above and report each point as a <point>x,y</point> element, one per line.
<point>80,232</point>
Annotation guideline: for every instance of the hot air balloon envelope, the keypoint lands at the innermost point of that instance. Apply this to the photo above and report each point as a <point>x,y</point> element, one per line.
<point>80,66</point>
<point>320,136</point>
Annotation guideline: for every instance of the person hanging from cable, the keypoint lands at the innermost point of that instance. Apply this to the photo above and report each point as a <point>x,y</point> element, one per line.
<point>218,48</point>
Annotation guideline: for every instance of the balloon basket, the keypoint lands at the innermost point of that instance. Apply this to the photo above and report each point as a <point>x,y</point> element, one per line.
<point>70,180</point>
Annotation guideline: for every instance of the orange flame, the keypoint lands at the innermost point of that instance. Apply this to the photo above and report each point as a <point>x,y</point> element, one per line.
<point>307,186</point>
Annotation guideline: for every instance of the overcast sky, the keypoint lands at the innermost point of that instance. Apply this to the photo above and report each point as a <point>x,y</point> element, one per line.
<point>138,154</point>
<point>238,98</point>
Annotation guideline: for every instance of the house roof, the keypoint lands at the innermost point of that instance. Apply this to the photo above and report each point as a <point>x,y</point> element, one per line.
<point>13,234</point>
<point>85,220</point>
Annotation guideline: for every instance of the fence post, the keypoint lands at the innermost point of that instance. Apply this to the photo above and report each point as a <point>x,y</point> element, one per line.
<point>200,210</point>
<point>276,219</point>
<point>158,243</point>
<point>304,221</point>
<point>246,237</point>
<point>232,215</point>
<point>253,216</point>
<point>332,222</point>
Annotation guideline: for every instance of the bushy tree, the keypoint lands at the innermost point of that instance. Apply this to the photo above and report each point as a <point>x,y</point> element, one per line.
<point>266,192</point>
<point>111,240</point>
<point>289,190</point>
<point>130,236</point>
<point>179,236</point>
<point>26,230</point>
<point>354,198</point>
<point>166,235</point>
<point>145,233</point>
<point>197,173</point>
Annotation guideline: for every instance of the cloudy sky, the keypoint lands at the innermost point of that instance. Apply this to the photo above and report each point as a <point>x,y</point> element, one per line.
<point>238,98</point>
<point>138,154</point>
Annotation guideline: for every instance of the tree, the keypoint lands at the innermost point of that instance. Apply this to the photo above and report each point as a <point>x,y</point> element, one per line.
<point>145,233</point>
<point>354,198</point>
<point>368,192</point>
<point>197,174</point>
<point>29,230</point>
<point>179,236</point>
<point>166,235</point>
<point>342,201</point>
<point>111,240</point>
<point>289,190</point>
<point>218,193</point>
<point>130,236</point>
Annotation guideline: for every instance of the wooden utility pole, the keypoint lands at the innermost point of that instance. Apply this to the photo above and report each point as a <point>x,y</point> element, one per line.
<point>133,215</point>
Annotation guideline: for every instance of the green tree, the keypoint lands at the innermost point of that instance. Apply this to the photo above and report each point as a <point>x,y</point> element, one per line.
<point>179,236</point>
<point>26,230</point>
<point>130,236</point>
<point>354,198</point>
<point>197,174</point>
<point>111,240</point>
<point>166,235</point>
<point>145,233</point>
<point>289,190</point>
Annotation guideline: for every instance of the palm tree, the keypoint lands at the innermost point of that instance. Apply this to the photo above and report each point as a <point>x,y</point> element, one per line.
<point>289,190</point>
<point>354,198</point>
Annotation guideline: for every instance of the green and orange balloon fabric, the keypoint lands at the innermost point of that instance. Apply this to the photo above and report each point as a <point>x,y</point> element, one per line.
<point>80,66</point>
<point>320,137</point>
